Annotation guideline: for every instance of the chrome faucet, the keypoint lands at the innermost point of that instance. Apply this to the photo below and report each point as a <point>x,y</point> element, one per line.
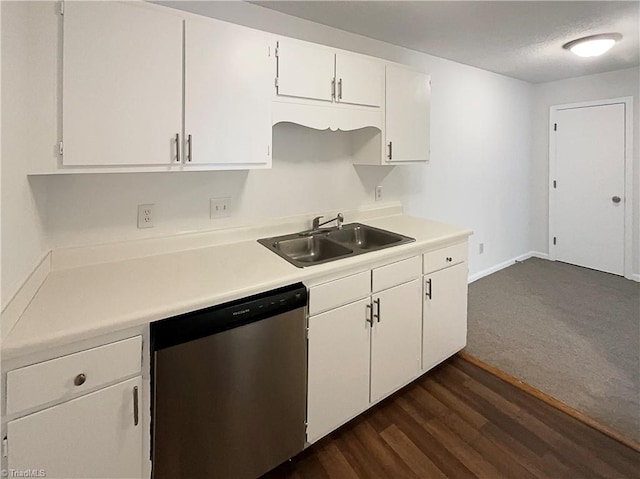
<point>339,219</point>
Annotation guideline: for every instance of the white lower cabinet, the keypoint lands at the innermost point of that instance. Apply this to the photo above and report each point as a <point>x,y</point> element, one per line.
<point>361,352</point>
<point>395,338</point>
<point>445,314</point>
<point>98,435</point>
<point>338,386</point>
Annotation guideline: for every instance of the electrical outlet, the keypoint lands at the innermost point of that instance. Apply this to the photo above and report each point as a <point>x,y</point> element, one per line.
<point>378,193</point>
<point>220,208</point>
<point>145,216</point>
<point>481,248</point>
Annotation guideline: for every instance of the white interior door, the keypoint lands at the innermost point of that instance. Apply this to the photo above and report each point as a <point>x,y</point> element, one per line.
<point>588,187</point>
<point>228,82</point>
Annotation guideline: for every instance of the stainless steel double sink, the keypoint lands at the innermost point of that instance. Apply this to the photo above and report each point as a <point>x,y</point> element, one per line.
<point>321,246</point>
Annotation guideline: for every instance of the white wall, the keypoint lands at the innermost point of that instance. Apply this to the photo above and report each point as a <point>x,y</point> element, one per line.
<point>477,176</point>
<point>23,237</point>
<point>591,87</point>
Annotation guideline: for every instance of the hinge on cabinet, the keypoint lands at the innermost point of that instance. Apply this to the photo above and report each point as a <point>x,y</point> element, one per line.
<point>555,127</point>
<point>276,82</point>
<point>555,240</point>
<point>61,8</point>
<point>5,447</point>
<point>277,48</point>
<point>60,148</point>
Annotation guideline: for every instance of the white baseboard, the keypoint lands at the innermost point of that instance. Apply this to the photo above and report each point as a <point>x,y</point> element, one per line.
<point>18,304</point>
<point>506,264</point>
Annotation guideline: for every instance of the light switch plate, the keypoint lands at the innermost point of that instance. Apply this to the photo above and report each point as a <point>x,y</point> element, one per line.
<point>220,208</point>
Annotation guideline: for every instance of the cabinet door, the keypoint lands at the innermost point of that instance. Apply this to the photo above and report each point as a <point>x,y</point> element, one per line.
<point>407,114</point>
<point>305,71</point>
<point>228,82</point>
<point>359,81</point>
<point>338,382</point>
<point>93,436</point>
<point>445,314</point>
<point>395,338</point>
<point>122,88</point>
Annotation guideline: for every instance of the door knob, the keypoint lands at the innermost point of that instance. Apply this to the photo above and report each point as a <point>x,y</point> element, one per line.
<point>616,199</point>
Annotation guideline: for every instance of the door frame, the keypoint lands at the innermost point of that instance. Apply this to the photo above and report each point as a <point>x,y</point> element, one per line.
<point>628,173</point>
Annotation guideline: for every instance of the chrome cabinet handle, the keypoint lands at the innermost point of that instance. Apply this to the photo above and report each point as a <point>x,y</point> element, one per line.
<point>369,314</point>
<point>377,315</point>
<point>177,147</point>
<point>340,89</point>
<point>189,148</point>
<point>428,288</point>
<point>135,406</point>
<point>616,199</point>
<point>80,379</point>
<point>333,87</point>
<point>390,150</point>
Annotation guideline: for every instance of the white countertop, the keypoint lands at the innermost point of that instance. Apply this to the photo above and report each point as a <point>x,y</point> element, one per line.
<point>88,301</point>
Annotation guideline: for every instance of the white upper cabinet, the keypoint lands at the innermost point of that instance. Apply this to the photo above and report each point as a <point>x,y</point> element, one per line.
<point>122,88</point>
<point>228,94</point>
<point>407,95</point>
<point>359,80</point>
<point>305,71</point>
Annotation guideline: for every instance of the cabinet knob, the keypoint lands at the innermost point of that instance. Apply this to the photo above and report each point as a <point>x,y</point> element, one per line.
<point>449,259</point>
<point>80,379</point>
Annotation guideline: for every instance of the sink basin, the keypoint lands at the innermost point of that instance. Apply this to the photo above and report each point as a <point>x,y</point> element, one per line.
<point>321,246</point>
<point>364,237</point>
<point>311,249</point>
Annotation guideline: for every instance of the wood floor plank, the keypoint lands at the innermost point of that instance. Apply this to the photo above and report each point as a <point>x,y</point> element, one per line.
<point>580,457</point>
<point>459,421</point>
<point>386,457</point>
<point>335,463</point>
<point>430,446</point>
<point>418,462</point>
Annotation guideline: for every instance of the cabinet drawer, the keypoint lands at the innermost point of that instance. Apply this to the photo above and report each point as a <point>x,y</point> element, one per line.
<point>396,273</point>
<point>59,378</point>
<point>339,292</point>
<point>442,258</point>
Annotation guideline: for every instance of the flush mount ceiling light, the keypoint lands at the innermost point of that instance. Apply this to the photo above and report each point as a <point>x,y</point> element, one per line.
<point>594,45</point>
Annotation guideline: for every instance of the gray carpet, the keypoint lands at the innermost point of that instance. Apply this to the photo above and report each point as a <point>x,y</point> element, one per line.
<point>571,332</point>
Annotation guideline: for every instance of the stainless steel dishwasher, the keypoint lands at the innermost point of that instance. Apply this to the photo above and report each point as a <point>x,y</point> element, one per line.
<point>229,387</point>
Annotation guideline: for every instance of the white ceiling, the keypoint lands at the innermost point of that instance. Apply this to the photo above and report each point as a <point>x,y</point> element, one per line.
<point>521,39</point>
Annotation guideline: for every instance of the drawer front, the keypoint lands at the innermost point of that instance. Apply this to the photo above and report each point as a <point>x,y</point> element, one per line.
<point>396,273</point>
<point>60,378</point>
<point>339,292</point>
<point>444,257</point>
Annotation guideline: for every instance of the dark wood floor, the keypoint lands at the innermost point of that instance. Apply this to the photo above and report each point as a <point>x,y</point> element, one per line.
<point>458,421</point>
